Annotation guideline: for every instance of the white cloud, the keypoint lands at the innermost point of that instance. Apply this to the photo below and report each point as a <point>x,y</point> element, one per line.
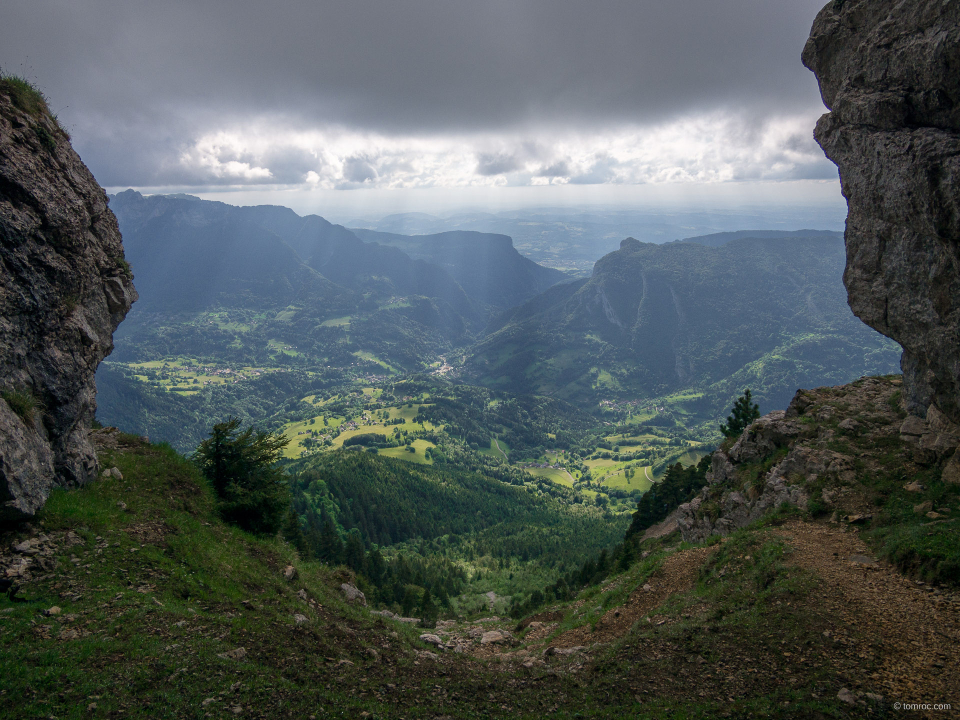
<point>709,148</point>
<point>222,157</point>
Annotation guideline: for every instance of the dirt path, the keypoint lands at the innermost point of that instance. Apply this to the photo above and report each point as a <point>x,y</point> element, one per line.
<point>913,628</point>
<point>646,471</point>
<point>496,442</point>
<point>887,634</point>
<point>678,574</point>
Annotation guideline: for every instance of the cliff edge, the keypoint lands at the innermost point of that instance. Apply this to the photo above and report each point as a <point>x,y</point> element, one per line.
<point>64,288</point>
<point>889,72</point>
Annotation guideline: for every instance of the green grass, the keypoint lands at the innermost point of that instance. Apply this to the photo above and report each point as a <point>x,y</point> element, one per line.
<point>619,480</point>
<point>606,381</point>
<point>497,449</point>
<point>560,477</point>
<point>343,322</point>
<point>153,593</point>
<point>370,357</point>
<point>24,95</point>
<point>23,403</point>
<point>374,425</point>
<point>277,346</point>
<point>156,595</point>
<point>419,456</point>
<point>28,98</point>
<point>918,545</point>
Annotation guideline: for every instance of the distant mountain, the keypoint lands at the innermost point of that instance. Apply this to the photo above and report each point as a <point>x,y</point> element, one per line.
<point>768,313</point>
<point>722,238</point>
<point>486,265</point>
<point>189,255</point>
<point>573,238</point>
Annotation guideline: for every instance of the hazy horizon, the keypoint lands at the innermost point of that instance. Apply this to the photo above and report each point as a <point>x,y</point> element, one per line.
<point>372,108</point>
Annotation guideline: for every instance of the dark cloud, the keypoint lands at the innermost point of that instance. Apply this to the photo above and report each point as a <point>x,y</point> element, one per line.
<point>496,164</point>
<point>358,170</point>
<point>558,169</point>
<point>139,80</point>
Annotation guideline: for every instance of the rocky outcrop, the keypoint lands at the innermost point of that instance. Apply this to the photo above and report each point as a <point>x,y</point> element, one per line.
<point>889,72</point>
<point>819,451</point>
<point>64,288</point>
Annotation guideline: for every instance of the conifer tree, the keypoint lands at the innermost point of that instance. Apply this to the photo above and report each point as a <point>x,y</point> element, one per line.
<point>428,610</point>
<point>744,412</point>
<point>241,466</point>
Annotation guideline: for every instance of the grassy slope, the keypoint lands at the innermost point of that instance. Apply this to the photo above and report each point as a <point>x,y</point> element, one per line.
<point>161,589</point>
<point>154,594</point>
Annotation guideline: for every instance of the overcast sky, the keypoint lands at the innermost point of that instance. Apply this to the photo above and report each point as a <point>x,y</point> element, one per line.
<point>428,98</point>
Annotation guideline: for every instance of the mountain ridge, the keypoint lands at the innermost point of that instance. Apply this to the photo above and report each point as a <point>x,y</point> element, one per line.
<point>662,317</point>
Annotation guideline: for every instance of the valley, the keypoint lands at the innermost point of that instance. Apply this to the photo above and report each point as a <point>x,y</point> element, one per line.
<point>415,362</point>
<point>631,460</point>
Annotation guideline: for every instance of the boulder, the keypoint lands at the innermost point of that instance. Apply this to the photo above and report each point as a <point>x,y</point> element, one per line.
<point>493,636</point>
<point>951,471</point>
<point>236,654</point>
<point>352,594</point>
<point>763,437</point>
<point>64,288</point>
<point>431,639</point>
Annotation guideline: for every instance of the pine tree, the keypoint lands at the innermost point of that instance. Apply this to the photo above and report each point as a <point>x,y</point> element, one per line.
<point>428,610</point>
<point>241,466</point>
<point>744,412</point>
<point>330,548</point>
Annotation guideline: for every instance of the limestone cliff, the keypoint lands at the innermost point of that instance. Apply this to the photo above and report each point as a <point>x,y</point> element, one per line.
<point>64,288</point>
<point>889,71</point>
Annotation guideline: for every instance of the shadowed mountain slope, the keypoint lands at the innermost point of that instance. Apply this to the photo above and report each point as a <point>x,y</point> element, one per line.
<point>722,238</point>
<point>189,255</point>
<point>486,265</point>
<point>770,313</point>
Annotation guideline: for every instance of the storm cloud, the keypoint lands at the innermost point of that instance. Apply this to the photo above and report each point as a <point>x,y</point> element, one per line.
<point>423,92</point>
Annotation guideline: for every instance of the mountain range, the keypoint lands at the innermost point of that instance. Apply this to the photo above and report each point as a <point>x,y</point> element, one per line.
<point>764,312</point>
<point>191,254</point>
<point>708,315</point>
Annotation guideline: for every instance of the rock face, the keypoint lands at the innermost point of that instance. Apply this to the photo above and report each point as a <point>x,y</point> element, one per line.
<point>889,72</point>
<point>64,288</point>
<point>815,452</point>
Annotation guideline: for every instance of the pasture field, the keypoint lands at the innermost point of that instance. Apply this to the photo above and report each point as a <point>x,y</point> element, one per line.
<point>421,446</point>
<point>187,377</point>
<point>632,441</point>
<point>281,347</point>
<point>396,304</point>
<point>497,449</point>
<point>370,357</point>
<point>341,322</point>
<point>370,421</point>
<point>602,466</point>
<point>691,457</point>
<point>606,381</point>
<point>287,314</point>
<point>618,480</point>
<point>560,477</point>
<point>297,433</point>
